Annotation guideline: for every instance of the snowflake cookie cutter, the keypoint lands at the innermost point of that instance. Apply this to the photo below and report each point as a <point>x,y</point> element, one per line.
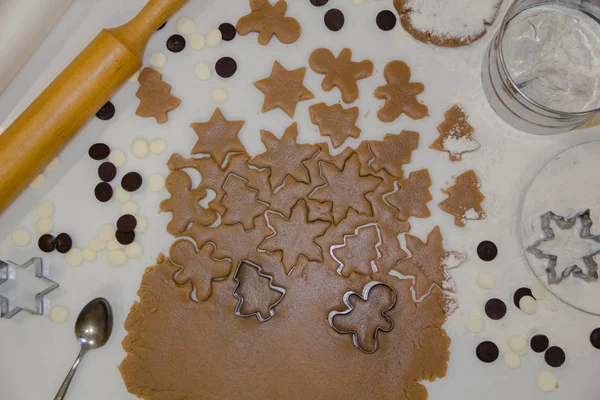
<point>5,304</point>
<point>567,223</point>
<point>240,299</point>
<point>349,308</point>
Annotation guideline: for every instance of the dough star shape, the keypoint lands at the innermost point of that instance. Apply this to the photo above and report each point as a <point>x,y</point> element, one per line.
<point>399,94</point>
<point>283,89</point>
<point>284,156</point>
<point>155,96</point>
<point>455,130</point>
<point>218,137</point>
<point>412,196</point>
<point>394,151</point>
<point>464,199</point>
<point>269,20</point>
<point>295,236</point>
<point>340,71</point>
<point>335,121</point>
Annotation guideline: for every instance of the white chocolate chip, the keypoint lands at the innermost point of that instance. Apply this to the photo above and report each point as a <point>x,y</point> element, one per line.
<point>185,25</point>
<point>213,38</point>
<point>158,146</point>
<point>97,244</point>
<point>158,60</point>
<point>512,360</point>
<point>21,237</point>
<point>129,207</point>
<point>117,157</point>
<point>474,324</point>
<point>546,381</point>
<point>550,305</point>
<point>122,195</point>
<point>202,71</point>
<point>88,254</point>
<point>117,258</point>
<point>106,232</point>
<point>528,305</point>
<point>197,41</point>
<point>45,209</point>
<point>538,290</point>
<point>53,166</point>
<point>142,224</point>
<point>135,76</point>
<point>156,183</point>
<point>59,314</point>
<point>219,95</point>
<point>39,182</point>
<point>140,148</point>
<point>485,280</point>
<point>522,352</point>
<point>74,257</point>
<point>113,244</point>
<point>43,225</point>
<point>517,343</point>
<point>134,250</point>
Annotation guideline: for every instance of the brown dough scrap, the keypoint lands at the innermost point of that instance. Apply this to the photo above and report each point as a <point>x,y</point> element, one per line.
<point>335,121</point>
<point>255,294</point>
<point>340,71</point>
<point>183,204</point>
<point>241,202</point>
<point>214,354</point>
<point>412,196</point>
<point>269,20</point>
<point>319,211</point>
<point>427,263</point>
<point>399,94</point>
<point>284,89</point>
<point>218,137</point>
<point>464,199</point>
<point>198,268</point>
<point>455,127</point>
<point>295,236</point>
<point>284,156</point>
<point>155,96</point>
<point>394,151</point>
<point>358,251</point>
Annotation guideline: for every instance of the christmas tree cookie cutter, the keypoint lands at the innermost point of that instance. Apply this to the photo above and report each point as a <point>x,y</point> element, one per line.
<point>6,309</point>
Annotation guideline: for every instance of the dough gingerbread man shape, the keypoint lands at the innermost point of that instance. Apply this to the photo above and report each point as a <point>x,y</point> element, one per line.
<point>198,267</point>
<point>340,71</point>
<point>399,94</point>
<point>269,20</point>
<point>155,96</point>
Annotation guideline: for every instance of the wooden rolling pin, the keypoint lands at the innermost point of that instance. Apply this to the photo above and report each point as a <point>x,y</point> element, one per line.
<point>81,89</point>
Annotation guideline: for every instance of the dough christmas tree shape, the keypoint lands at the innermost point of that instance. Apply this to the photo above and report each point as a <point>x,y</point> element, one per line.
<point>155,96</point>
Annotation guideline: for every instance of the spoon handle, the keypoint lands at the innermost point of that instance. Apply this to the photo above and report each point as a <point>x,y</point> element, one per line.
<point>60,395</point>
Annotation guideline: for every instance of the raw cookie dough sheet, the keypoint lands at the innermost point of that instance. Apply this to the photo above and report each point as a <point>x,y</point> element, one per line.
<point>505,163</point>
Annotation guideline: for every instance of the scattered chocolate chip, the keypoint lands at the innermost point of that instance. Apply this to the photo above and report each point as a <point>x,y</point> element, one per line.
<point>225,67</point>
<point>107,171</point>
<point>555,356</point>
<point>131,182</point>
<point>162,26</point>
<point>106,112</point>
<point>386,20</point>
<point>318,3</point>
<point>125,238</point>
<point>99,151</point>
<point>175,43</point>
<point>227,31</point>
<point>487,352</point>
<point>495,309</point>
<point>63,243</point>
<point>126,223</point>
<point>595,338</point>
<point>539,343</point>
<point>47,243</point>
<point>103,192</point>
<point>520,293</point>
<point>334,19</point>
<point>487,250</point>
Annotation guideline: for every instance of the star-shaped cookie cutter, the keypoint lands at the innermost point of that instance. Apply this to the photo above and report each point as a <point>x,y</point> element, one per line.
<point>349,308</point>
<point>576,271</point>
<point>37,263</point>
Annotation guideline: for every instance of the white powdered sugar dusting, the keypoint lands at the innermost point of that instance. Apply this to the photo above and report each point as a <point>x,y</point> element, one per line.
<point>458,145</point>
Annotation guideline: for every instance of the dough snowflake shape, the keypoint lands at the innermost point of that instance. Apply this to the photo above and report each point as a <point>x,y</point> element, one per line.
<point>218,137</point>
<point>269,20</point>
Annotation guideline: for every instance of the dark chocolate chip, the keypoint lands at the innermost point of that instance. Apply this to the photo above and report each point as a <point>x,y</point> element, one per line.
<point>386,20</point>
<point>334,19</point>
<point>106,112</point>
<point>495,309</point>
<point>126,223</point>
<point>227,31</point>
<point>162,26</point>
<point>131,182</point>
<point>520,293</point>
<point>125,238</point>
<point>539,343</point>
<point>555,356</point>
<point>63,243</point>
<point>107,171</point>
<point>103,192</point>
<point>47,243</point>
<point>99,151</point>
<point>487,250</point>
<point>318,3</point>
<point>487,352</point>
<point>175,43</point>
<point>225,67</point>
<point>595,338</point>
